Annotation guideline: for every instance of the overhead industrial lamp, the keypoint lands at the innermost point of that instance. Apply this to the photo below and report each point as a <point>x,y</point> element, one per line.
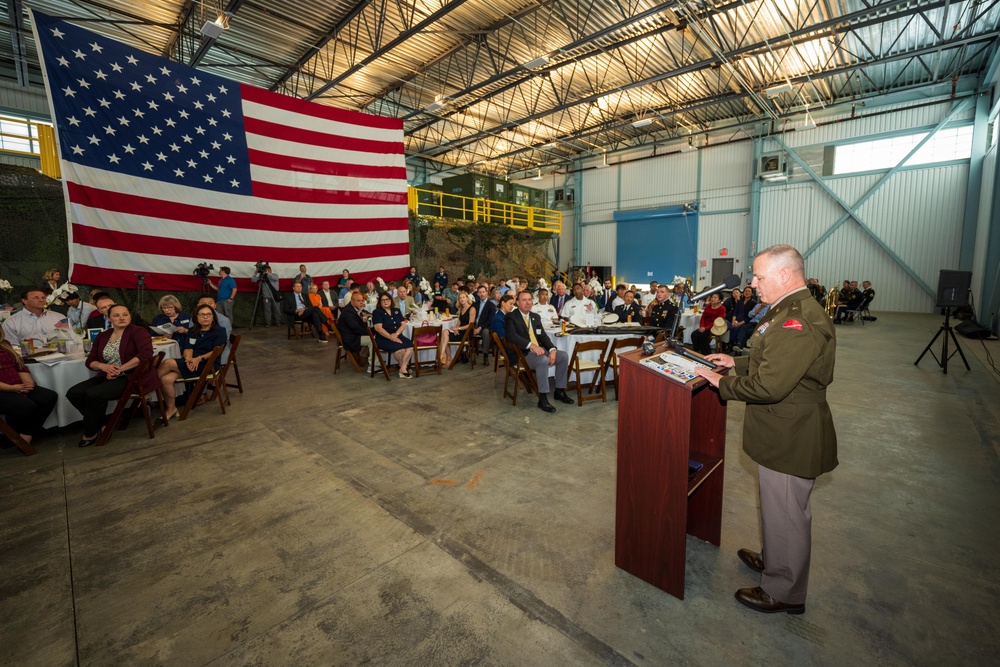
<point>536,63</point>
<point>809,123</point>
<point>436,104</point>
<point>774,91</point>
<point>642,122</point>
<point>604,163</point>
<point>212,29</point>
<point>690,147</point>
<point>538,176</point>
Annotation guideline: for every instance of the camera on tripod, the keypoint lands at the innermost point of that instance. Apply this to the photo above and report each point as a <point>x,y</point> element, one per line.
<point>140,278</point>
<point>262,266</point>
<point>204,270</point>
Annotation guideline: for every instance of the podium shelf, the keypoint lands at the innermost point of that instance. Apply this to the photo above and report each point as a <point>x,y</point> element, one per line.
<point>709,465</point>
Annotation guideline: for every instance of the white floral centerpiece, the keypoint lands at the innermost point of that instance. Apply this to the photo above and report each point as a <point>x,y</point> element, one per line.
<point>59,294</point>
<point>381,284</point>
<point>598,287</point>
<point>542,284</point>
<point>5,289</point>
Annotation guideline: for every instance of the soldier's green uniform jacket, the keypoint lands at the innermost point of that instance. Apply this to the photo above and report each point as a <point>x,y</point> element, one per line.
<point>788,426</point>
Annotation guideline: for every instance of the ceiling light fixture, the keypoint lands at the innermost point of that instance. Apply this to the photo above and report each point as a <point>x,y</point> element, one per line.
<point>774,91</point>
<point>212,29</point>
<point>605,163</point>
<point>538,176</point>
<point>809,123</point>
<point>435,105</point>
<point>536,63</point>
<point>643,122</point>
<point>690,147</point>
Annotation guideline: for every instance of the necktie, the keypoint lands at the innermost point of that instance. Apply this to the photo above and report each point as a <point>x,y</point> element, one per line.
<point>531,332</point>
<point>298,298</point>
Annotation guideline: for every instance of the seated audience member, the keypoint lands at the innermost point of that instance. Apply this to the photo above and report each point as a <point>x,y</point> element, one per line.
<point>440,302</point>
<point>855,298</point>
<point>485,309</point>
<point>330,298</point>
<point>739,337</point>
<point>99,318</point>
<point>525,332</point>
<point>170,313</point>
<point>650,296</point>
<point>845,292</point>
<point>24,404</point>
<point>506,305</point>
<point>545,309</point>
<point>680,297</point>
<point>578,309</point>
<point>559,296</point>
<point>663,310</point>
<point>77,310</point>
<point>50,281</point>
<point>115,353</point>
<point>343,281</point>
<point>389,323</point>
<point>616,298</point>
<point>817,290</point>
<point>403,300</point>
<point>730,302</point>
<point>353,325</point>
<point>466,313</point>
<point>702,336</point>
<point>741,313</point>
<point>33,320</point>
<point>298,309</point>
<point>224,322</point>
<point>869,296</point>
<point>451,293</point>
<point>316,301</point>
<point>630,311</point>
<point>204,336</point>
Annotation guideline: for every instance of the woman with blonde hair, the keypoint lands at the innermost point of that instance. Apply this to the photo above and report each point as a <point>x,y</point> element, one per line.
<point>171,313</point>
<point>50,281</point>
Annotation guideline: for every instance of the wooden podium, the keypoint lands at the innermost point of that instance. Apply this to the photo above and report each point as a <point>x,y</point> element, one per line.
<point>661,425</point>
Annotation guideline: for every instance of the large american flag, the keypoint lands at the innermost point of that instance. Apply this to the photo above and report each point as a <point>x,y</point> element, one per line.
<point>165,167</point>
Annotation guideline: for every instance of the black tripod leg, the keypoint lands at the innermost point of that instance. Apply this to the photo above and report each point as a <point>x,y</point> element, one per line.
<point>958,348</point>
<point>928,348</point>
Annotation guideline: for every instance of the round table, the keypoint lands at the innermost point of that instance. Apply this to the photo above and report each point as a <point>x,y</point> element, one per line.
<point>60,376</point>
<point>568,342</point>
<point>446,325</point>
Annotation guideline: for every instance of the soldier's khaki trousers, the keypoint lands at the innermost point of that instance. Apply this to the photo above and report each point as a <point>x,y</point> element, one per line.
<point>786,525</point>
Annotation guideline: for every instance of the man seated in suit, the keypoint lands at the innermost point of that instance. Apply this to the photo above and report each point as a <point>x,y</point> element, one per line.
<point>486,308</point>
<point>298,309</point>
<point>330,298</point>
<point>403,301</point>
<point>616,298</point>
<point>559,298</point>
<point>629,311</point>
<point>98,319</point>
<point>353,325</point>
<point>525,332</point>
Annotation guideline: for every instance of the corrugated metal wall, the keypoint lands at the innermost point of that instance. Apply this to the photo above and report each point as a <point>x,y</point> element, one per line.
<point>23,101</point>
<point>979,276</point>
<point>918,214</point>
<point>600,243</point>
<point>20,160</point>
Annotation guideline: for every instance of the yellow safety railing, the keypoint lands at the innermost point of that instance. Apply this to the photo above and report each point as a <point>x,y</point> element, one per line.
<point>458,207</point>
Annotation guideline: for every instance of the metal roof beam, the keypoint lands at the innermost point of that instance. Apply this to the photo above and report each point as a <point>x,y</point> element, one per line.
<point>15,14</point>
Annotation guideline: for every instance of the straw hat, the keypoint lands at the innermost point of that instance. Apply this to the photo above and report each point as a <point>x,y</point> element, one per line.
<point>719,327</point>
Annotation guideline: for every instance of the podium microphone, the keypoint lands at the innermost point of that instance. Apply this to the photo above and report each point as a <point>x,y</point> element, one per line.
<point>730,282</point>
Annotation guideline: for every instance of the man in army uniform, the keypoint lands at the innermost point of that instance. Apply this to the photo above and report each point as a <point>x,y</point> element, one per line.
<point>788,429</point>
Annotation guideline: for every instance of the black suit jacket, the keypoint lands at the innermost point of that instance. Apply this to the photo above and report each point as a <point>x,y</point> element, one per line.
<point>352,328</point>
<point>326,302</point>
<point>517,333</point>
<point>96,320</point>
<point>485,319</point>
<point>289,305</point>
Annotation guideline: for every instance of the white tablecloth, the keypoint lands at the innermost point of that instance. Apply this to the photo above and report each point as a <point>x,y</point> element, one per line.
<point>690,321</point>
<point>568,342</point>
<point>63,375</point>
<point>430,355</point>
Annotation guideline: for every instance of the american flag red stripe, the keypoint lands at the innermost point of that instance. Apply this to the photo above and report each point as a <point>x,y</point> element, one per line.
<point>165,167</point>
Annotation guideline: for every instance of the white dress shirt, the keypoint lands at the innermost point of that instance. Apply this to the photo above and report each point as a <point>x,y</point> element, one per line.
<point>24,324</point>
<point>584,310</point>
<point>545,311</point>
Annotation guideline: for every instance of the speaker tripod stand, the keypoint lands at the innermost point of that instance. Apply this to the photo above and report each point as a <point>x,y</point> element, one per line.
<point>947,330</point>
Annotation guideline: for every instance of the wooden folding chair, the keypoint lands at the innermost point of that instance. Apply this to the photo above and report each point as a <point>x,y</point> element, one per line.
<point>299,328</point>
<point>500,356</point>
<point>436,332</point>
<point>377,354</point>
<point>611,360</point>
<point>133,397</point>
<point>463,344</point>
<point>520,373</point>
<point>208,374</point>
<point>234,342</point>
<point>342,352</point>
<point>16,438</point>
<point>579,365</point>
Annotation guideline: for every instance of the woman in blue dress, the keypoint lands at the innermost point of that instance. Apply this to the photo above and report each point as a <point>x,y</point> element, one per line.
<point>170,313</point>
<point>196,346</point>
<point>388,322</point>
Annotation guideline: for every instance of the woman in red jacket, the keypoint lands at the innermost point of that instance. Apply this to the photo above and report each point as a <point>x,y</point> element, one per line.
<point>702,336</point>
<point>115,353</point>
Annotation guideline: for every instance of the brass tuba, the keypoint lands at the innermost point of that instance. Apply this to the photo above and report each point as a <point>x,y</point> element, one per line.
<point>831,302</point>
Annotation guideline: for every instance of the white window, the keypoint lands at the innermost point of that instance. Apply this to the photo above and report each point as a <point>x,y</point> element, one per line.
<point>954,143</point>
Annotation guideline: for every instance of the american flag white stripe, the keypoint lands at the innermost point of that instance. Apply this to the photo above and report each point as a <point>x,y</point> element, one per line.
<point>303,121</point>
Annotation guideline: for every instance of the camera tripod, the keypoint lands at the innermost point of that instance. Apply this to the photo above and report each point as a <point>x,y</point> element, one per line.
<point>947,330</point>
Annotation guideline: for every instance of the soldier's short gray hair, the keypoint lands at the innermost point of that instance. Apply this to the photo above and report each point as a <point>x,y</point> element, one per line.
<point>785,256</point>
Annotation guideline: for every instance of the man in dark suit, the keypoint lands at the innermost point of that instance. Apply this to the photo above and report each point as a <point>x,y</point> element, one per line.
<point>559,296</point>
<point>353,325</point>
<point>485,310</point>
<point>630,310</point>
<point>524,331</point>
<point>787,427</point>
<point>297,308</point>
<point>98,319</point>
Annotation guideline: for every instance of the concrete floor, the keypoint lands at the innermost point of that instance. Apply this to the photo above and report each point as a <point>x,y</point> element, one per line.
<point>340,520</point>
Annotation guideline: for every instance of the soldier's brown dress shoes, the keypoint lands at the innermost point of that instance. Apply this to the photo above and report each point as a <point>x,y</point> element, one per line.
<point>751,559</point>
<point>758,600</point>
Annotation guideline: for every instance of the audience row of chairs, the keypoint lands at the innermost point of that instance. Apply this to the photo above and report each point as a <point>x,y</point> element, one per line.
<point>133,399</point>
